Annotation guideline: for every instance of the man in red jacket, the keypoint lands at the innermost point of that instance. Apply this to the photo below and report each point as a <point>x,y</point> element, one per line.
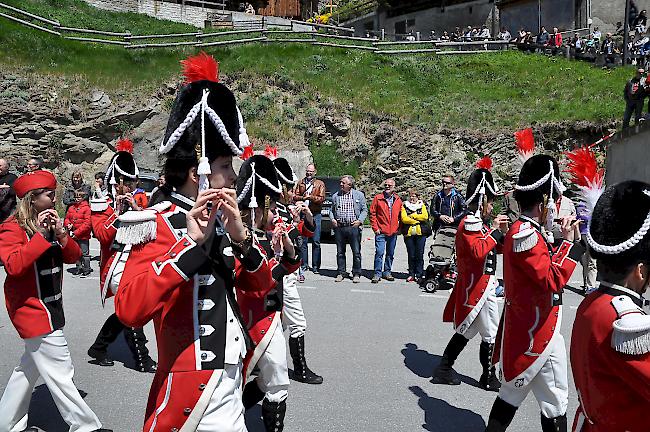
<point>529,343</point>
<point>384,219</point>
<point>610,344</point>
<point>77,221</point>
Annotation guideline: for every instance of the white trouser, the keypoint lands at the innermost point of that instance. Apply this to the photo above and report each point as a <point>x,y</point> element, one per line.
<point>46,356</point>
<point>273,376</point>
<point>292,312</point>
<point>487,321</point>
<point>550,385</point>
<point>225,413</point>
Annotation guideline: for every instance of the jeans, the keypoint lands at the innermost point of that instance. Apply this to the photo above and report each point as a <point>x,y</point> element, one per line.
<point>84,263</point>
<point>315,248</point>
<point>632,107</point>
<point>384,243</point>
<point>348,235</point>
<point>415,250</point>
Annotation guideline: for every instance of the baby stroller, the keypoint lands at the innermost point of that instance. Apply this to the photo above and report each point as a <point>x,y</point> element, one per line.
<point>441,272</point>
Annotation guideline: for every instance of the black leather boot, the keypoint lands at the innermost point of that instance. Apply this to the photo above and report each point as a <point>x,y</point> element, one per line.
<point>107,334</point>
<point>273,415</point>
<point>501,416</point>
<point>301,372</point>
<point>444,373</point>
<point>555,424</point>
<point>488,380</point>
<point>251,394</point>
<point>137,342</point>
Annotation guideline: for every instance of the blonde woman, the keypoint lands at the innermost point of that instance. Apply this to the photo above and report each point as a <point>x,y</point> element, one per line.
<point>34,244</point>
<point>416,229</point>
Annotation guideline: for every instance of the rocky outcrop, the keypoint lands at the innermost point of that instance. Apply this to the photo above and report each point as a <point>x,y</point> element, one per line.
<point>73,127</point>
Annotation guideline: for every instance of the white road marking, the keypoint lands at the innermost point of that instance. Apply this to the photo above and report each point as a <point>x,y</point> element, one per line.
<point>306,287</point>
<point>366,291</point>
<point>435,296</point>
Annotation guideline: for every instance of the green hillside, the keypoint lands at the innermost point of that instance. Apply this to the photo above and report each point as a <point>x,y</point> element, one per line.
<point>485,91</point>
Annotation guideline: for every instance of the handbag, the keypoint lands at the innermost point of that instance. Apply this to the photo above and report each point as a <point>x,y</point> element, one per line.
<point>425,229</point>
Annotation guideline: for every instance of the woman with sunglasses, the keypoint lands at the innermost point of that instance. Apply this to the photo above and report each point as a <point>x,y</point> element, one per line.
<point>34,244</point>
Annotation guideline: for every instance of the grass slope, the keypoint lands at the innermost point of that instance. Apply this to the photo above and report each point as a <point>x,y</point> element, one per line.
<point>484,91</point>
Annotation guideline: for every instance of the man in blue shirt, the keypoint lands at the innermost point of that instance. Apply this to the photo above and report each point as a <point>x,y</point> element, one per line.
<point>448,206</point>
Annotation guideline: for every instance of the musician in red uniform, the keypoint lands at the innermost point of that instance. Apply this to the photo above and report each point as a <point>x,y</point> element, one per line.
<point>114,216</point>
<point>184,279</point>
<point>258,189</point>
<point>34,244</point>
<point>472,306</point>
<point>529,344</point>
<point>301,222</point>
<point>610,343</point>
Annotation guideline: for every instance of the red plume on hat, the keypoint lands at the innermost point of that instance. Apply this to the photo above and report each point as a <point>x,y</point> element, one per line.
<point>484,163</point>
<point>270,152</point>
<point>587,175</point>
<point>201,67</point>
<point>124,145</point>
<point>525,142</point>
<point>248,152</point>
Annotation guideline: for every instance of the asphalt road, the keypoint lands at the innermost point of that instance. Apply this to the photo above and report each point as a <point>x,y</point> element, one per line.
<point>375,345</point>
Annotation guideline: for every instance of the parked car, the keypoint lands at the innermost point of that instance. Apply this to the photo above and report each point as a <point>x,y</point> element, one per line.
<point>332,185</point>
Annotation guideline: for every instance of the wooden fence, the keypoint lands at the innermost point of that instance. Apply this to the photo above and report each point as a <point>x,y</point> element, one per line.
<point>320,35</point>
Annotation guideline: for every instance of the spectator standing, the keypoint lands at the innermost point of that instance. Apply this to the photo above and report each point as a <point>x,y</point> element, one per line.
<point>384,218</point>
<point>641,22</point>
<point>347,214</point>
<point>155,192</point>
<point>77,222</point>
<point>555,42</point>
<point>7,194</point>
<point>76,185</point>
<point>140,196</point>
<point>100,190</point>
<point>34,164</point>
<point>416,229</point>
<point>542,38</point>
<point>445,37</point>
<point>7,179</point>
<point>634,95</point>
<point>597,34</point>
<point>311,191</point>
<point>448,206</point>
<point>589,270</point>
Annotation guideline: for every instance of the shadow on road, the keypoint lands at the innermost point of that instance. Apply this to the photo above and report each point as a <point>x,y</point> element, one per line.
<point>422,363</point>
<point>254,419</point>
<point>43,412</point>
<point>439,416</point>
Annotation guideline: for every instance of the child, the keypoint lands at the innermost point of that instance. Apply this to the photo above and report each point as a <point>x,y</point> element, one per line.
<point>77,221</point>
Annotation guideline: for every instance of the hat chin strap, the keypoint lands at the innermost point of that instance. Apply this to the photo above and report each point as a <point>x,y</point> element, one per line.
<point>624,246</point>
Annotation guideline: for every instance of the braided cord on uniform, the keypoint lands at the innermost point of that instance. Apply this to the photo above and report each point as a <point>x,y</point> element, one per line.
<point>624,246</point>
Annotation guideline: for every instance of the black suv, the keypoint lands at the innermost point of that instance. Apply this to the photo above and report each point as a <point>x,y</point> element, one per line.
<point>332,185</point>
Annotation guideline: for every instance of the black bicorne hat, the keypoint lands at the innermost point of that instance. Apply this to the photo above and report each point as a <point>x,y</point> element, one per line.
<point>257,180</point>
<point>539,176</point>
<point>285,172</point>
<point>618,230</point>
<point>205,122</point>
<point>122,164</point>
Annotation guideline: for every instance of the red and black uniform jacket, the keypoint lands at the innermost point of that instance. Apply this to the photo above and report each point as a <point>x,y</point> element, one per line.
<point>476,255</point>
<point>613,388</point>
<point>534,278</point>
<point>188,292</point>
<point>33,287</point>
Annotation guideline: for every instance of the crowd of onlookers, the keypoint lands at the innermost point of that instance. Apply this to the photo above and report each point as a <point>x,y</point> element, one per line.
<point>388,215</point>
